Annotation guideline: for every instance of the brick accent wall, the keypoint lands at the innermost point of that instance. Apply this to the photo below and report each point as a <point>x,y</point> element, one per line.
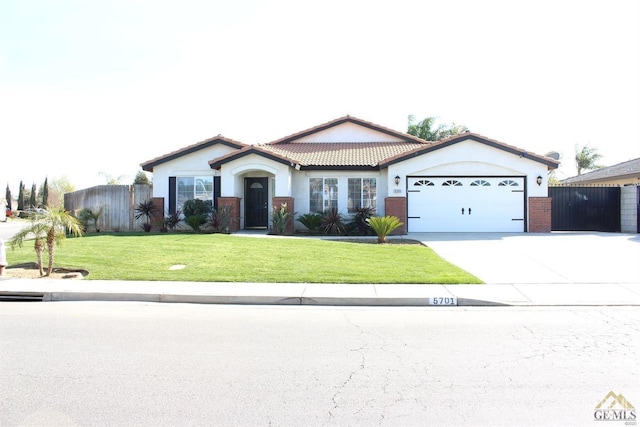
<point>234,203</point>
<point>539,214</point>
<point>276,202</point>
<point>157,219</point>
<point>397,206</point>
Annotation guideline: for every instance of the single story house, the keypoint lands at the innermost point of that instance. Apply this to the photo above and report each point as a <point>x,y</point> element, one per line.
<point>465,183</point>
<point>625,173</point>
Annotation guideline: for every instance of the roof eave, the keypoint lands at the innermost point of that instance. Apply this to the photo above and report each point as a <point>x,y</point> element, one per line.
<point>550,163</point>
<point>149,165</point>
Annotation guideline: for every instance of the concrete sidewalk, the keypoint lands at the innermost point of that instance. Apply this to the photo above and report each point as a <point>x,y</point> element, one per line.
<point>535,294</point>
<point>580,268</point>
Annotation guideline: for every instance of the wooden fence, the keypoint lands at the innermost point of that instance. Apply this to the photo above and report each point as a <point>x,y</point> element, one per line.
<point>117,202</point>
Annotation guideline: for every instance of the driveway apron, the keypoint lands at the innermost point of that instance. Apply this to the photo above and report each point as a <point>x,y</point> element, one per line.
<point>505,258</point>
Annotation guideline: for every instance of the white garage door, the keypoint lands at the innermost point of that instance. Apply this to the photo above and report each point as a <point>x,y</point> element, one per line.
<point>466,204</point>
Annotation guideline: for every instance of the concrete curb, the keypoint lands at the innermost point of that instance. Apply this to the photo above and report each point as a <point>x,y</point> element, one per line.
<point>318,294</point>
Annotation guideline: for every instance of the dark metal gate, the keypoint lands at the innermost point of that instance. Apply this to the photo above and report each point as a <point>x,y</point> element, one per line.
<point>585,208</point>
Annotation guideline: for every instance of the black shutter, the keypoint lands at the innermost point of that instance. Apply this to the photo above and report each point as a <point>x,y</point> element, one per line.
<point>216,191</point>
<point>172,195</point>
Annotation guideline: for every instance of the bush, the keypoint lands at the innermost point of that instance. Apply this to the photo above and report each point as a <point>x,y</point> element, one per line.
<point>359,224</point>
<point>195,222</point>
<point>146,209</point>
<point>311,221</point>
<point>281,218</point>
<point>383,226</point>
<point>196,207</point>
<point>332,222</point>
<point>171,220</point>
<point>221,219</point>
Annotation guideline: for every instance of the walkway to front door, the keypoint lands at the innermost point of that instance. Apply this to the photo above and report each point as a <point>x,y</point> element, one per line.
<point>256,207</point>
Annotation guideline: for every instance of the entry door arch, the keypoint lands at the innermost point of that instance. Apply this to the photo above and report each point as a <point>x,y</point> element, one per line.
<point>256,205</point>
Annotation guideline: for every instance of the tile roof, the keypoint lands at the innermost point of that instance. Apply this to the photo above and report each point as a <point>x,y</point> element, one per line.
<point>341,153</point>
<point>149,164</point>
<point>629,168</point>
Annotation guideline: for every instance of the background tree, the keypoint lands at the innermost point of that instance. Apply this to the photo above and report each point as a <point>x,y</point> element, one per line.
<point>45,193</point>
<point>59,187</point>
<point>429,131</point>
<point>8,197</point>
<point>32,196</point>
<point>111,180</point>
<point>141,178</point>
<point>21,197</point>
<point>587,159</point>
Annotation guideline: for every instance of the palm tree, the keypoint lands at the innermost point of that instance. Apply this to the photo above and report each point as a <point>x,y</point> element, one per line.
<point>50,227</point>
<point>587,159</point>
<point>426,129</point>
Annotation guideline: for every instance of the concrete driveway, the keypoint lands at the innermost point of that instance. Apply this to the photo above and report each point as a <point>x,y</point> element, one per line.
<point>559,257</point>
<point>9,228</point>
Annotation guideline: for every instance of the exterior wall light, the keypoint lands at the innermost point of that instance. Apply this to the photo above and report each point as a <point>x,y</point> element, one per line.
<point>397,180</point>
<point>539,180</point>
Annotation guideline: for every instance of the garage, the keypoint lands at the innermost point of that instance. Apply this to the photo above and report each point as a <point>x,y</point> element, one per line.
<point>466,204</point>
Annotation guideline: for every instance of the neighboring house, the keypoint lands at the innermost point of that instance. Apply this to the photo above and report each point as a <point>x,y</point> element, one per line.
<point>464,183</point>
<point>625,173</point>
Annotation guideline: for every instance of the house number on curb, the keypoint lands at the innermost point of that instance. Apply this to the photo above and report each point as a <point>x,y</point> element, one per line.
<point>443,301</point>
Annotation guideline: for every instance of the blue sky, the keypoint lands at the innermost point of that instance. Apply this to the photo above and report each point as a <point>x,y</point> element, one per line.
<point>91,87</point>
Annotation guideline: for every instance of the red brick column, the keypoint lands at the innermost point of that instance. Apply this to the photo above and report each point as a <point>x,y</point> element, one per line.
<point>539,214</point>
<point>276,202</point>
<point>397,206</point>
<point>157,219</point>
<point>234,203</point>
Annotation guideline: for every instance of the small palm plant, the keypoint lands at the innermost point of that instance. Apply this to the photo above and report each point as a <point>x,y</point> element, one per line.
<point>383,226</point>
<point>50,227</point>
<point>146,209</point>
<point>311,221</point>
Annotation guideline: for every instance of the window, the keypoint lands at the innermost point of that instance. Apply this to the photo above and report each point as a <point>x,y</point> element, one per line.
<point>323,194</point>
<point>423,183</point>
<point>362,193</point>
<point>480,183</point>
<point>198,187</point>
<point>452,183</point>
<point>508,183</point>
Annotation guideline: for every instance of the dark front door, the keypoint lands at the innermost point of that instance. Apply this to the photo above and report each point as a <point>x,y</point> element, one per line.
<point>256,205</point>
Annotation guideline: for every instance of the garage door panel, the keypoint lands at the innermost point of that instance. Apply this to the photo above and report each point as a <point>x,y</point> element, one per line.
<point>465,204</point>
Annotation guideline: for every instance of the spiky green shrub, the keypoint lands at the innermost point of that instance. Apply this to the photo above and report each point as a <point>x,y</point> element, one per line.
<point>311,221</point>
<point>332,222</point>
<point>195,221</point>
<point>222,218</point>
<point>146,209</point>
<point>383,226</point>
<point>358,224</point>
<point>281,217</point>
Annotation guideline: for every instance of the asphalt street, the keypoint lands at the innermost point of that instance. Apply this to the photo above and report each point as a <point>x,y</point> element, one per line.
<point>183,364</point>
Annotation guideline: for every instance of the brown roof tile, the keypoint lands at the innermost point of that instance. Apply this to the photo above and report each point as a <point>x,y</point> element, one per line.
<point>340,154</point>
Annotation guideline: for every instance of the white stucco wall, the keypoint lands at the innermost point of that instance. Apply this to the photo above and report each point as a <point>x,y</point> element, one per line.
<point>301,187</point>
<point>349,132</point>
<point>193,164</point>
<point>471,158</point>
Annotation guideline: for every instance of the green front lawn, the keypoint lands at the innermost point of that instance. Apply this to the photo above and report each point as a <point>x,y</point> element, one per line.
<point>229,258</point>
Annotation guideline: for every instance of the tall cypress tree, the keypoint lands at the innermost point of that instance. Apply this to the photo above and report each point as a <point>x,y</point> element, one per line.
<point>45,193</point>
<point>21,197</point>
<point>32,198</point>
<point>8,197</point>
